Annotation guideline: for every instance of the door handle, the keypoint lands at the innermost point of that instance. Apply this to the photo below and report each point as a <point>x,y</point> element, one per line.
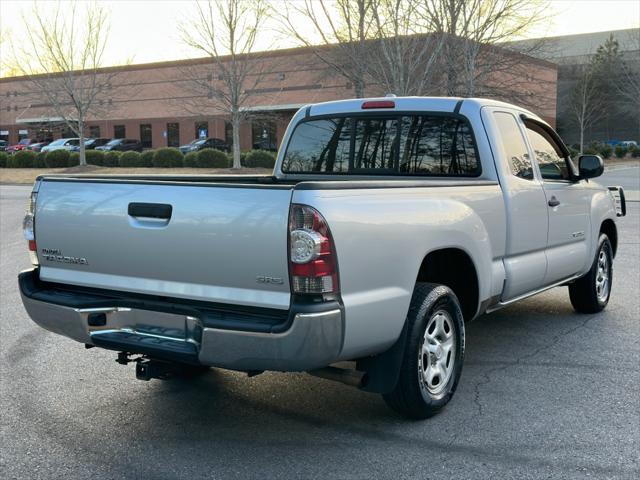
<point>150,210</point>
<point>554,202</point>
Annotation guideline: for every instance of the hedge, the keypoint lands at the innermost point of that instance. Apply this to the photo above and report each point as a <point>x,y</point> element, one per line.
<point>167,157</point>
<point>260,158</point>
<point>57,159</point>
<point>634,150</point>
<point>211,158</point>
<point>191,160</point>
<point>3,159</point>
<point>111,158</point>
<point>39,162</point>
<point>74,159</point>
<point>94,157</point>
<point>22,159</point>
<point>620,151</point>
<point>129,159</point>
<point>146,158</point>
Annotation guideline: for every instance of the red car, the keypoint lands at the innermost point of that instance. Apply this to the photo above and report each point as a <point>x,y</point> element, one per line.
<point>36,147</point>
<point>21,145</point>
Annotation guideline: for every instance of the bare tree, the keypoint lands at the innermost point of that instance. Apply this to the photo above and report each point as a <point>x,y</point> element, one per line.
<point>404,52</point>
<point>61,58</point>
<point>338,32</point>
<point>586,105</point>
<point>225,31</point>
<point>475,53</point>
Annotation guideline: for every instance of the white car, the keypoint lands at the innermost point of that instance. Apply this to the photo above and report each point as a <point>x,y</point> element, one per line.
<point>62,144</point>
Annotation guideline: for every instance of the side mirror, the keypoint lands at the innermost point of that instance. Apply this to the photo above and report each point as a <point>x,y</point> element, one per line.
<point>590,166</point>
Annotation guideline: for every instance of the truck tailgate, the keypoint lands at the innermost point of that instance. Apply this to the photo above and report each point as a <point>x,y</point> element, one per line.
<point>222,243</point>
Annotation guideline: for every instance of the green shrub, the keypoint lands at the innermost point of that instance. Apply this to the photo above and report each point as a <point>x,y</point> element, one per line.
<point>634,150</point>
<point>260,158</point>
<point>620,151</point>
<point>146,158</point>
<point>111,158</point>
<point>57,159</point>
<point>94,157</point>
<point>605,150</point>
<point>3,159</point>
<point>167,158</point>
<point>211,158</point>
<point>39,162</point>
<point>129,159</point>
<point>74,159</point>
<point>191,159</point>
<point>22,159</point>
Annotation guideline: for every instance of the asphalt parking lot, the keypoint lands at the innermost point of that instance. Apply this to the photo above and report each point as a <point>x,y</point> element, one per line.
<point>545,393</point>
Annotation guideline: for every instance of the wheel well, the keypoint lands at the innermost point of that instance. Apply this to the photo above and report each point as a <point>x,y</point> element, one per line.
<point>609,229</point>
<point>454,268</point>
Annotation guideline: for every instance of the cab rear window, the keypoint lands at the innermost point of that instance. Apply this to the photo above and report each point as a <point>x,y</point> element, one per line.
<point>431,145</point>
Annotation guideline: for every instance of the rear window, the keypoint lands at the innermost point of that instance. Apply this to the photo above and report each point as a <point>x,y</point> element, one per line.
<point>432,145</point>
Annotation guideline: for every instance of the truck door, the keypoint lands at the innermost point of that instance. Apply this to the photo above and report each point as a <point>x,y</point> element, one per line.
<point>568,205</point>
<point>525,261</point>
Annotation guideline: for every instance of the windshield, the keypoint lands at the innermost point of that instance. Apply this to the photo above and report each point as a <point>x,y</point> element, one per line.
<point>433,145</point>
<point>116,141</point>
<point>24,141</point>
<point>58,142</point>
<point>198,142</point>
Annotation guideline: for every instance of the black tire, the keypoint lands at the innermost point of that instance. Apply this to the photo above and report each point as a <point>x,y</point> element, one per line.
<point>584,293</point>
<point>412,397</point>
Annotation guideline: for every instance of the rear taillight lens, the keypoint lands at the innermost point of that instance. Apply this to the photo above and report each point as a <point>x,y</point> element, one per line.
<point>29,228</point>
<point>312,257</point>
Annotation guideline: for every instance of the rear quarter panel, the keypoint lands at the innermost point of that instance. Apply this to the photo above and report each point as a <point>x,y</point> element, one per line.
<point>382,236</point>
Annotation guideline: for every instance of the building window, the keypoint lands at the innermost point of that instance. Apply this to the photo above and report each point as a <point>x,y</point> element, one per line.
<point>67,132</point>
<point>173,134</point>
<point>146,137</point>
<point>94,131</point>
<point>22,134</point>
<point>263,135</point>
<point>202,130</point>
<point>119,131</point>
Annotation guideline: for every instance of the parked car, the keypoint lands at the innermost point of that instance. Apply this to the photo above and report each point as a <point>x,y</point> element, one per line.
<point>3,145</point>
<point>92,143</point>
<point>21,145</point>
<point>36,147</point>
<point>122,145</point>
<point>628,143</point>
<point>265,144</point>
<point>200,143</point>
<point>386,226</point>
<point>61,144</point>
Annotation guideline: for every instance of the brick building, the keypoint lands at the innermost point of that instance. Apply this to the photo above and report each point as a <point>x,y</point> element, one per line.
<point>160,103</point>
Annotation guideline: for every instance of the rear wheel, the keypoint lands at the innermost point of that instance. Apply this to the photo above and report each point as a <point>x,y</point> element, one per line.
<point>590,293</point>
<point>433,355</point>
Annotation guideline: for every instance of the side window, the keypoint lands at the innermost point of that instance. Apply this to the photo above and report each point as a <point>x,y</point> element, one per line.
<point>552,164</point>
<point>514,146</point>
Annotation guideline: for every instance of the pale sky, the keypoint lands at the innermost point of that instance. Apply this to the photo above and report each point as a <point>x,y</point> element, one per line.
<point>146,31</point>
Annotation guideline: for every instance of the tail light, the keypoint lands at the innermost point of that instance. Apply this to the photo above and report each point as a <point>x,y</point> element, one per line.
<point>29,228</point>
<point>313,264</point>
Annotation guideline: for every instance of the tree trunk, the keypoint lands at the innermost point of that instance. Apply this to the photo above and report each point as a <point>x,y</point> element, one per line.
<point>83,159</point>
<point>581,137</point>
<point>235,126</point>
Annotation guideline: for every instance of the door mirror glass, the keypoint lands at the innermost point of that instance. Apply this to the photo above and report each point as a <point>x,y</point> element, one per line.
<point>590,166</point>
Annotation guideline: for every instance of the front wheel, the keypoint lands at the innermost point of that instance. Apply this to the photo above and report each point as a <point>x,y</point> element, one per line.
<point>433,354</point>
<point>590,293</point>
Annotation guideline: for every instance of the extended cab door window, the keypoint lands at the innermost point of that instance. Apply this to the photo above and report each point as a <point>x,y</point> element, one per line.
<point>514,146</point>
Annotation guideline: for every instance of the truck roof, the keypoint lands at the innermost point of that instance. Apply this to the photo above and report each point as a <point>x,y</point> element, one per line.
<point>431,104</point>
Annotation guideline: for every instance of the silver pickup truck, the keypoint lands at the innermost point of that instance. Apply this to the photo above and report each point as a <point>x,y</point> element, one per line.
<point>387,224</point>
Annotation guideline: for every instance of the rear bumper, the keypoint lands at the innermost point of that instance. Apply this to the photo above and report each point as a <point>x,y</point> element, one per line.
<point>307,337</point>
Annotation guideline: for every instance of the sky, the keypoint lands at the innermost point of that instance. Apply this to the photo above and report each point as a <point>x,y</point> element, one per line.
<point>145,31</point>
